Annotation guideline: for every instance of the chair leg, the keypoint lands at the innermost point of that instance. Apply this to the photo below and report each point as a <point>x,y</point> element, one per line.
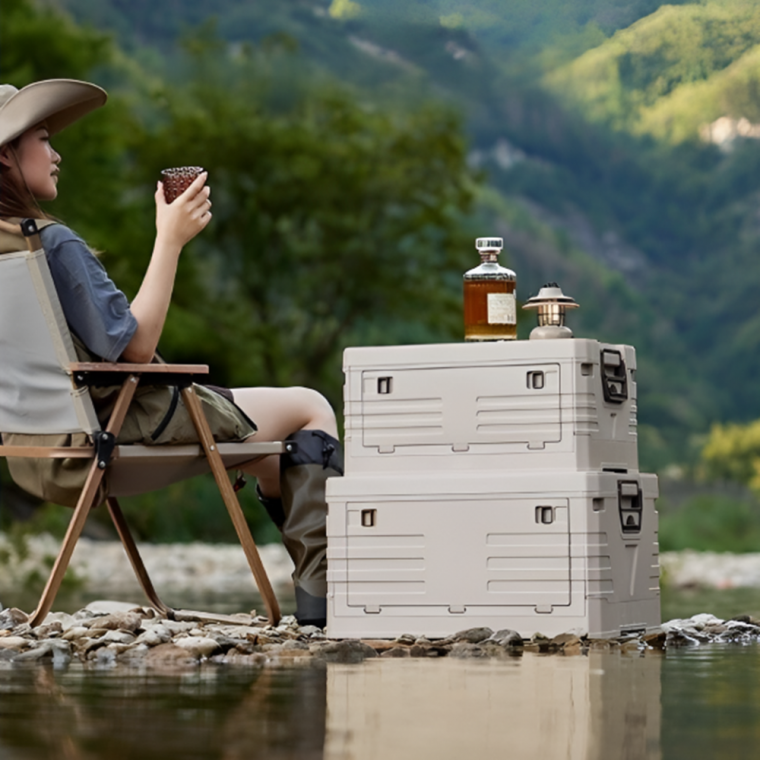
<point>122,528</point>
<point>195,410</point>
<point>74,531</point>
<point>83,507</point>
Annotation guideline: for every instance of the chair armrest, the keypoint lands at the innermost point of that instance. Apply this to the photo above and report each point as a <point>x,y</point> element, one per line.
<point>136,369</point>
<point>48,452</point>
<point>106,374</point>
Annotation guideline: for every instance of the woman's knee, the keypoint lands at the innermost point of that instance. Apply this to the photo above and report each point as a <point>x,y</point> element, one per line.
<point>317,410</point>
<point>283,411</point>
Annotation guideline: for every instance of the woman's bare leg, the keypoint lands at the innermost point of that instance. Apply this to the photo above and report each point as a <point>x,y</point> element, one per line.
<point>278,413</point>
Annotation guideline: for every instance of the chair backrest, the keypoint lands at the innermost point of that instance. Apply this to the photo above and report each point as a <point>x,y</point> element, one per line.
<point>37,394</point>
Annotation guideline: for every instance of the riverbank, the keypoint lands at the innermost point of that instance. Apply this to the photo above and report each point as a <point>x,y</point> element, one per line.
<point>102,570</point>
<point>111,634</point>
<point>204,570</point>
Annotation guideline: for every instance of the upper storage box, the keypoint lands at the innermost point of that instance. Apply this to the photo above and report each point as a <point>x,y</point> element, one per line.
<point>571,404</point>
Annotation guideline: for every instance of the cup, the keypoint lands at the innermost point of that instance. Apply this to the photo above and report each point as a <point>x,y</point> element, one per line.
<point>178,179</point>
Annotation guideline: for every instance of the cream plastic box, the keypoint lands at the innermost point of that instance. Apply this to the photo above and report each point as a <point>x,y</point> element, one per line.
<point>548,404</point>
<point>493,485</point>
<point>549,552</point>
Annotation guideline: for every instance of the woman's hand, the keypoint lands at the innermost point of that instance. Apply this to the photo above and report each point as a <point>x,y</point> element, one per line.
<point>177,223</point>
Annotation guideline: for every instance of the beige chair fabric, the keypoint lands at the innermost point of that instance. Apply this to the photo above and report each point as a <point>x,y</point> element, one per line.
<point>38,397</point>
<point>36,392</point>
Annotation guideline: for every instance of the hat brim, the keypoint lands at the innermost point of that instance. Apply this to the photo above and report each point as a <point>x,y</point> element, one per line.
<point>57,102</point>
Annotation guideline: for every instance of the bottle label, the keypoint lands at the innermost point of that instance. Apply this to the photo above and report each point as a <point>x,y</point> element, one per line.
<point>502,309</point>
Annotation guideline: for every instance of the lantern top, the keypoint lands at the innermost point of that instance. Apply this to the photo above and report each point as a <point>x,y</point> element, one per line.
<point>549,294</point>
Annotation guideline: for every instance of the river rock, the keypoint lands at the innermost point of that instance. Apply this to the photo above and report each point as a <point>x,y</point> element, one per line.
<point>118,621</point>
<point>10,618</point>
<point>311,631</point>
<point>176,626</point>
<point>65,620</point>
<point>472,635</point>
<point>107,607</point>
<point>419,650</point>
<point>76,632</point>
<point>56,649</point>
<point>169,656</point>
<point>506,638</point>
<point>254,660</point>
<point>656,640</point>
<point>563,639</point>
<point>200,646</point>
<point>345,652</point>
<point>464,650</point>
<point>403,651</point>
<point>14,642</point>
<point>104,658</point>
<point>155,635</point>
<point>118,637</point>
<point>133,656</point>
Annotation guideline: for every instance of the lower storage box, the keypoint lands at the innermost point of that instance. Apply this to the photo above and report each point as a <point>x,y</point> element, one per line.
<point>431,554</point>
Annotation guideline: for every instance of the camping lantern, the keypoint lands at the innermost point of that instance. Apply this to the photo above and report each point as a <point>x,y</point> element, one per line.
<point>551,304</point>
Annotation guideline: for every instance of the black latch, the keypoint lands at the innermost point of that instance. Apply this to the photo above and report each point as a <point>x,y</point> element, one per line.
<point>614,376</point>
<point>105,443</point>
<point>630,506</point>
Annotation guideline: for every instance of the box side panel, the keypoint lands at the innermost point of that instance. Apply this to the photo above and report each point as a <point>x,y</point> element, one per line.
<point>553,560</point>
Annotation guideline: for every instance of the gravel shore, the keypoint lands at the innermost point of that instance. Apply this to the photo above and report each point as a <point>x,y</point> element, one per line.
<point>106,634</point>
<point>109,634</point>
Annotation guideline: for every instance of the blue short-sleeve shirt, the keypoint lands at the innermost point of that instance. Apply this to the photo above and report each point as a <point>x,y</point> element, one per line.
<point>95,309</point>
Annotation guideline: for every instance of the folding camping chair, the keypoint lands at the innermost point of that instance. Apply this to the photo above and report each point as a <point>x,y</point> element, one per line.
<point>45,390</point>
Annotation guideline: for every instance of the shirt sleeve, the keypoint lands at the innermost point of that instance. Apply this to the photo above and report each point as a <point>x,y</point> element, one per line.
<point>95,309</point>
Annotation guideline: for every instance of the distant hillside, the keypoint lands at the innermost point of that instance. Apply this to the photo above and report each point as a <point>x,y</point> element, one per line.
<point>670,73</point>
<point>585,117</point>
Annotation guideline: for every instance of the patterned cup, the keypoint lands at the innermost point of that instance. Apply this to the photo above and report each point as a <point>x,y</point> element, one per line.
<point>178,179</point>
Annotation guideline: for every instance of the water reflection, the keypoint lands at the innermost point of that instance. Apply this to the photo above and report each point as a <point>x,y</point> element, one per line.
<point>211,713</point>
<point>711,703</point>
<point>690,703</point>
<point>600,706</point>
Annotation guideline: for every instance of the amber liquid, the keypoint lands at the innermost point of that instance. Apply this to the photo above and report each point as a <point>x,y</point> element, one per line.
<point>476,325</point>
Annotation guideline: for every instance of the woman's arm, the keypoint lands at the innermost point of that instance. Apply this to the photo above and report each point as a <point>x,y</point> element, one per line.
<point>177,223</point>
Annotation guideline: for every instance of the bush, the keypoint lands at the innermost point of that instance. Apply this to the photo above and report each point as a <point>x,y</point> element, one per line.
<point>711,523</point>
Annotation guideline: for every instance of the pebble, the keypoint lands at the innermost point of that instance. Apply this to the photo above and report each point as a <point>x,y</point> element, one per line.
<point>108,635</point>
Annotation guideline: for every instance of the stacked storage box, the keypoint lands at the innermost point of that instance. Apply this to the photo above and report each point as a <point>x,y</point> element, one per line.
<point>492,484</point>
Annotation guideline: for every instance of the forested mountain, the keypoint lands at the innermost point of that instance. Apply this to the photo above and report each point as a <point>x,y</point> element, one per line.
<point>589,121</point>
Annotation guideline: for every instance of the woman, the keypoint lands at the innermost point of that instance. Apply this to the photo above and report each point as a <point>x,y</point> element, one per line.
<point>106,326</point>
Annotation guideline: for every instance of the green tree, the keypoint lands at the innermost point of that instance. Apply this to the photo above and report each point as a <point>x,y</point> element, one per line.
<point>732,452</point>
<point>334,219</point>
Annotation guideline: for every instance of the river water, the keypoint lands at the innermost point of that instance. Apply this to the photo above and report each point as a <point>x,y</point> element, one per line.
<point>691,703</point>
<point>699,702</point>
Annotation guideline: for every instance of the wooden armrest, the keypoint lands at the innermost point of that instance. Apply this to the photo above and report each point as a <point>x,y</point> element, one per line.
<point>105,374</point>
<point>48,452</point>
<point>137,369</point>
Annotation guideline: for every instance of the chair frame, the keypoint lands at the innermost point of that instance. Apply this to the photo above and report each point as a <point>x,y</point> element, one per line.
<point>104,450</point>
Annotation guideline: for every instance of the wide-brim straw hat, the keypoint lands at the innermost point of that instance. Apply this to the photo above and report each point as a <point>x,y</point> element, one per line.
<point>57,102</point>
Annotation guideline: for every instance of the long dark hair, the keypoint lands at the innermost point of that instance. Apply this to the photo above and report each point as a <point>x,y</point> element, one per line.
<point>16,199</point>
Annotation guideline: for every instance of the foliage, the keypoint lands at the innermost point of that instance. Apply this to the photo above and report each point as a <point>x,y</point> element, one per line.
<point>711,523</point>
<point>611,193</point>
<point>28,573</point>
<point>732,452</point>
<point>670,72</point>
<point>39,43</point>
<point>329,214</point>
